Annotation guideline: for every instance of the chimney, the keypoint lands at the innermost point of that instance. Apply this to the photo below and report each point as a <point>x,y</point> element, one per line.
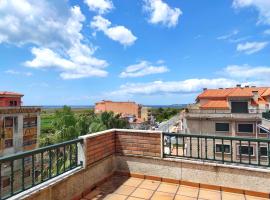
<point>220,88</point>
<point>238,85</point>
<point>204,89</point>
<point>255,95</point>
<point>246,86</point>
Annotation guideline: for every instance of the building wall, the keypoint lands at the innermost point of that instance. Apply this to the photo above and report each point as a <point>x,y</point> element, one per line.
<point>23,138</point>
<point>208,127</point>
<point>4,101</point>
<point>129,108</point>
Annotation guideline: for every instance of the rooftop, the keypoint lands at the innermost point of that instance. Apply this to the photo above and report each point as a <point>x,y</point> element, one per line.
<point>6,93</point>
<point>234,92</point>
<point>135,164</point>
<point>132,188</point>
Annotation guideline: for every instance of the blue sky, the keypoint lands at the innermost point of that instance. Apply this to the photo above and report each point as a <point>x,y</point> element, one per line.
<point>78,52</point>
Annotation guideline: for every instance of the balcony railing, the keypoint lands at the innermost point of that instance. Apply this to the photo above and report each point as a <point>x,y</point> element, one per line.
<point>231,150</point>
<point>220,111</point>
<point>22,171</point>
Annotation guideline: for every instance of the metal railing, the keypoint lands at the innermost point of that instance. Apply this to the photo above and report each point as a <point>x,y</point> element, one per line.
<point>229,150</point>
<point>220,111</point>
<point>25,170</point>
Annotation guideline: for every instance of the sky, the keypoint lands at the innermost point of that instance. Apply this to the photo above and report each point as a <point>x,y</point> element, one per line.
<point>78,52</point>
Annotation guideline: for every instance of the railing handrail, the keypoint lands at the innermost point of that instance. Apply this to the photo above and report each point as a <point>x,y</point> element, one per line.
<point>39,150</point>
<point>219,137</point>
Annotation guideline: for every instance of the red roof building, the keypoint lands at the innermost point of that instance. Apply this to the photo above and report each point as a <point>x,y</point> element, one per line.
<point>10,99</point>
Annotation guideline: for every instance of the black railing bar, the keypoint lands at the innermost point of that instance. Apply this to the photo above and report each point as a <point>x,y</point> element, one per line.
<point>219,137</point>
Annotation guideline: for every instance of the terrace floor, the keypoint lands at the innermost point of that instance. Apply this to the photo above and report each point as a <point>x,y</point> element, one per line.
<point>129,188</point>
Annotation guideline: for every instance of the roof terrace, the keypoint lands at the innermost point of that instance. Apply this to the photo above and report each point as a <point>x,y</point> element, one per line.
<point>129,164</point>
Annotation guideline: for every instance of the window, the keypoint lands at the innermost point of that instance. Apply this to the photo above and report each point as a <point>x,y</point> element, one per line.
<point>244,150</point>
<point>239,107</point>
<point>8,143</point>
<point>222,127</point>
<point>223,148</point>
<point>264,151</point>
<point>245,128</point>
<point>12,103</point>
<point>263,131</point>
<point>29,122</point>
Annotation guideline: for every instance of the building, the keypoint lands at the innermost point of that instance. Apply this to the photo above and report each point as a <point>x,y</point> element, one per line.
<point>230,111</point>
<point>131,110</point>
<point>19,131</point>
<point>19,125</point>
<point>233,112</point>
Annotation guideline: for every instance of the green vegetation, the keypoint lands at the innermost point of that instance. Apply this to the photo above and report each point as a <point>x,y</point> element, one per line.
<point>163,114</point>
<point>65,124</point>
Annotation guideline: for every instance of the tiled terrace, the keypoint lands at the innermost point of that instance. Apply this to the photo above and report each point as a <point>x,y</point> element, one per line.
<point>131,188</point>
<point>110,157</point>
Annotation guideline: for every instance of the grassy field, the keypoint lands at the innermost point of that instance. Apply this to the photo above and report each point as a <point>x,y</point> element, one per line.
<point>47,116</point>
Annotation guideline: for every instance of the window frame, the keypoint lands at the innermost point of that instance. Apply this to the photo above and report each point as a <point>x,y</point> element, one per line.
<point>238,150</point>
<point>235,101</point>
<point>264,156</point>
<point>245,123</point>
<point>220,152</point>
<point>222,123</point>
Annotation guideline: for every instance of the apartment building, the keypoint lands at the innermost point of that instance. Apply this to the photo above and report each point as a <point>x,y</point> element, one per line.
<point>131,110</point>
<point>19,131</point>
<point>229,112</point>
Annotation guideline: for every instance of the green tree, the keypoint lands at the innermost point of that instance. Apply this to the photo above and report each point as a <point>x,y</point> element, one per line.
<point>64,124</point>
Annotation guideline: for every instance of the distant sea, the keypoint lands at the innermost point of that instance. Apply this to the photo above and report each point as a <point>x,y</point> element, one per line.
<point>91,106</point>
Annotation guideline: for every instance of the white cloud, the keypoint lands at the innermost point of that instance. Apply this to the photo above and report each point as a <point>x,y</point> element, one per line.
<point>251,47</point>
<point>70,68</point>
<point>263,7</point>
<point>163,87</point>
<point>100,6</point>
<point>117,33</point>
<point>15,72</point>
<point>248,72</point>
<point>142,69</point>
<point>160,12</point>
<point>228,36</point>
<point>54,28</point>
<point>267,32</point>
<point>232,75</point>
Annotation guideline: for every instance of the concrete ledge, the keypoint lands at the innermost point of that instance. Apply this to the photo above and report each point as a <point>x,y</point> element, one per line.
<point>239,178</point>
<point>118,130</point>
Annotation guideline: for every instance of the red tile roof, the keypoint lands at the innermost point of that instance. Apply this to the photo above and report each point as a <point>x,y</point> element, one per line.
<point>266,93</point>
<point>5,93</point>
<point>233,92</point>
<point>216,104</point>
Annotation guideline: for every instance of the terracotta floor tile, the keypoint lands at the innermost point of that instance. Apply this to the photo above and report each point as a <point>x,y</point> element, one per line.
<point>125,190</point>
<point>180,197</point>
<point>167,187</point>
<point>232,196</point>
<point>134,182</point>
<point>162,196</point>
<point>149,184</point>
<point>188,191</point>
<point>115,197</point>
<point>254,198</point>
<point>209,194</point>
<point>142,193</point>
<point>133,198</point>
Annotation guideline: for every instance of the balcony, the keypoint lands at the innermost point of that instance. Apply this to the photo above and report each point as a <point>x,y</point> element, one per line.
<point>224,114</point>
<point>134,164</point>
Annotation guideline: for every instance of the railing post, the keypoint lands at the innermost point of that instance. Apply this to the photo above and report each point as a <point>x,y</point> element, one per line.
<point>23,171</point>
